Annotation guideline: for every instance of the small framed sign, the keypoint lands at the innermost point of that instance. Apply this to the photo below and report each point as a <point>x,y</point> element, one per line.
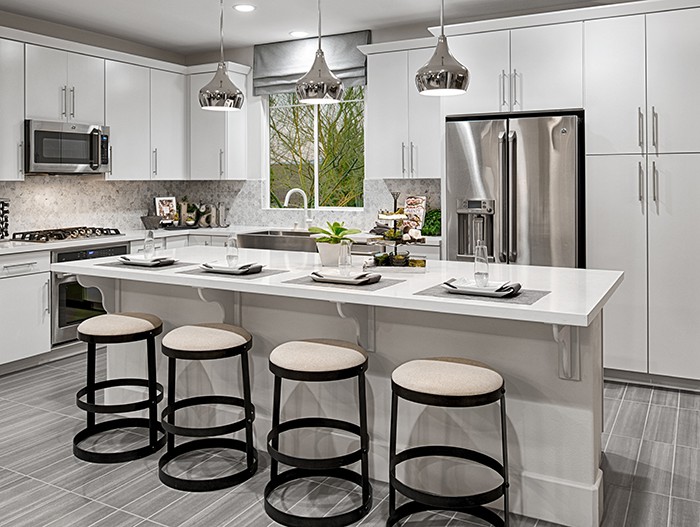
<point>166,208</point>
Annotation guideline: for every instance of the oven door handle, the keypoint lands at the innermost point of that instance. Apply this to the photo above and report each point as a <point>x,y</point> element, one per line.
<point>64,276</point>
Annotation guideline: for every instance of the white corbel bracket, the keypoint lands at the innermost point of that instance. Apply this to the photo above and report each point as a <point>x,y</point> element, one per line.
<point>363,317</point>
<point>111,299</point>
<point>567,338</point>
<point>232,311</point>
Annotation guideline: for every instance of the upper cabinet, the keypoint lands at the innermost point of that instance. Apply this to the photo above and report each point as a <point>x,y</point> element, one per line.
<point>218,144</point>
<point>11,86</point>
<point>403,129</point>
<point>168,125</point>
<point>614,87</point>
<point>64,86</point>
<point>128,116</point>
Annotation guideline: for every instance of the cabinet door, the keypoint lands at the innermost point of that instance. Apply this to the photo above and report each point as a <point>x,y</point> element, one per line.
<point>25,325</point>
<point>616,240</point>
<point>674,310</point>
<point>487,57</point>
<point>86,89</point>
<point>46,95</point>
<point>386,125</point>
<point>168,125</point>
<point>615,85</point>
<point>11,84</point>
<point>207,135</point>
<point>425,124</point>
<point>673,54</point>
<point>547,67</point>
<point>128,115</point>
<point>236,154</point>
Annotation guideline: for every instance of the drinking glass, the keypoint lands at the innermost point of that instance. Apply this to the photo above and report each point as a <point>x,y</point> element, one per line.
<point>345,257</point>
<point>149,246</point>
<point>481,264</point>
<point>232,251</point>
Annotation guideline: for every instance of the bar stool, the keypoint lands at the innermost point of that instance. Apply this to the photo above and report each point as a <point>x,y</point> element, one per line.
<point>115,329</point>
<point>318,360</point>
<point>198,342</point>
<point>447,382</point>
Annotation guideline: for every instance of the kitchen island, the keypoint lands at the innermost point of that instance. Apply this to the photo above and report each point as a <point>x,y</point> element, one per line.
<point>549,352</point>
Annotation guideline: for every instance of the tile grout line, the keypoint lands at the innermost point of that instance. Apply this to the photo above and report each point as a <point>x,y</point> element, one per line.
<point>636,463</point>
<point>673,463</point>
<point>617,414</point>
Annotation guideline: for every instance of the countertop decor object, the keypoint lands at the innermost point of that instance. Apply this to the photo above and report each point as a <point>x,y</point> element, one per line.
<point>328,241</point>
<point>150,222</point>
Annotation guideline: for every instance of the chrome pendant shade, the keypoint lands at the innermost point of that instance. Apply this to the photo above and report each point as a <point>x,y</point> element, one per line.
<point>221,93</point>
<point>319,85</point>
<point>443,74</point>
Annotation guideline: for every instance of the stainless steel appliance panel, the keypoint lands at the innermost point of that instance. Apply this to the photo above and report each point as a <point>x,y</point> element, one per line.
<point>475,169</point>
<point>543,186</point>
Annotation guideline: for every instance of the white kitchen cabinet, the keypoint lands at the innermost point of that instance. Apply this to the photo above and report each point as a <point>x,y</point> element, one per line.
<point>547,67</point>
<point>674,311</point>
<point>64,86</point>
<point>403,128</point>
<point>11,124</point>
<point>615,85</point>
<point>218,147</point>
<point>168,126</point>
<point>25,325</point>
<point>128,115</point>
<point>673,77</point>
<point>487,57</point>
<point>176,242</point>
<point>617,240</point>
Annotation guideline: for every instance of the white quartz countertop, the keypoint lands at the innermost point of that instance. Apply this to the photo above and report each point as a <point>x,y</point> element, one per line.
<point>576,298</point>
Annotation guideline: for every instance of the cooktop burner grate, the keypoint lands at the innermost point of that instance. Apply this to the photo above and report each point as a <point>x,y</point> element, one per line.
<point>71,233</point>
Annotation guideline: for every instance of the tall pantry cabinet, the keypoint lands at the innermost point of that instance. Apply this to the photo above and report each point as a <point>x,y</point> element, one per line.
<point>643,167</point>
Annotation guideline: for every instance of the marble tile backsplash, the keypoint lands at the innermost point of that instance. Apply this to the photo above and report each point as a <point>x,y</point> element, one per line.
<point>44,202</point>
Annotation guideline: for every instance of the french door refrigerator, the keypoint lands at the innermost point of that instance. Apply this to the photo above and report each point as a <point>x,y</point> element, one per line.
<point>516,184</point>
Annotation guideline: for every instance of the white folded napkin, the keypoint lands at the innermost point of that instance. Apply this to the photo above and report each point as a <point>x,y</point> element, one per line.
<point>470,284</point>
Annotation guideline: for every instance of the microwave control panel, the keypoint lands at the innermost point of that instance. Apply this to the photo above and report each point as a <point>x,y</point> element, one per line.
<point>104,149</point>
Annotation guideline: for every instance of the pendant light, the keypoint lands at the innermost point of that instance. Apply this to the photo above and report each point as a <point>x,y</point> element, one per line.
<point>319,85</point>
<point>443,74</point>
<point>221,94</point>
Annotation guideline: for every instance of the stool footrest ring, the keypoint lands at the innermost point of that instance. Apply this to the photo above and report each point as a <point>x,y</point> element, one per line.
<point>315,463</point>
<point>117,408</point>
<point>413,507</point>
<point>339,520</point>
<point>115,457</point>
<point>204,485</point>
<point>188,431</point>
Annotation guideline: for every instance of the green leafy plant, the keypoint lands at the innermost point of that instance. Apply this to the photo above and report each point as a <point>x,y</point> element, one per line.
<point>431,224</point>
<point>334,234</point>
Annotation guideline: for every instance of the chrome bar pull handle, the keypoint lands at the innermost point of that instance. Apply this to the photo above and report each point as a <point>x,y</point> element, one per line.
<point>18,265</point>
<point>72,101</point>
<point>412,161</point>
<point>504,101</point>
<point>64,101</point>
<point>47,309</point>
<point>20,164</point>
<point>654,182</point>
<point>512,198</point>
<point>655,128</point>
<point>515,88</point>
<point>221,162</point>
<point>640,126</point>
<point>640,175</point>
<point>403,158</point>
<point>110,160</point>
<point>155,161</point>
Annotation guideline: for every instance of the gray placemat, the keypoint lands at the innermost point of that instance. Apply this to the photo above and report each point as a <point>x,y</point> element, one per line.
<point>384,282</point>
<point>262,274</point>
<point>145,268</point>
<point>525,297</point>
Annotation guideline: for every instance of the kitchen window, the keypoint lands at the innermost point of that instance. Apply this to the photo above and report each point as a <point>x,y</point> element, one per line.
<point>318,148</point>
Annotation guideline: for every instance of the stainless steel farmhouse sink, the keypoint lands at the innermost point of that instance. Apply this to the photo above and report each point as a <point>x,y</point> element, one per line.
<point>278,240</point>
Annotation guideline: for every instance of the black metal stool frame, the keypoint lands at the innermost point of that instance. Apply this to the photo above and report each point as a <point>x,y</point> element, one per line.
<point>329,467</point>
<point>205,433</point>
<point>422,501</point>
<point>155,395</point>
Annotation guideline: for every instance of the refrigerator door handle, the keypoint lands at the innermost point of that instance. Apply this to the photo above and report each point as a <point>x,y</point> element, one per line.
<point>512,197</point>
<point>503,156</point>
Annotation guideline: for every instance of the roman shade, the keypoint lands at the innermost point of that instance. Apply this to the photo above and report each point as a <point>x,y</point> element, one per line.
<point>279,65</point>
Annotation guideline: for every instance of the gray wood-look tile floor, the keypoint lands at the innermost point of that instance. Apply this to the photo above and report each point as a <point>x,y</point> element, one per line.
<point>651,463</point>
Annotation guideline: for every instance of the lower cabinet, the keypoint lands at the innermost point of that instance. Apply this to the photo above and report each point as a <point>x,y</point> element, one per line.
<point>25,316</point>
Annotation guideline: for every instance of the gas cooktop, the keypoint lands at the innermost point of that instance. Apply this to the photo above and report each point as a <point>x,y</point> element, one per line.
<point>59,235</point>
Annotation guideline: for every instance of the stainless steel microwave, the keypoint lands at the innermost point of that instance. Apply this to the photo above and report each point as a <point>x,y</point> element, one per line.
<point>65,148</point>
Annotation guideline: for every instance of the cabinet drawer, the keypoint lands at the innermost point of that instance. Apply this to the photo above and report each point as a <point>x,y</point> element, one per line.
<point>24,263</point>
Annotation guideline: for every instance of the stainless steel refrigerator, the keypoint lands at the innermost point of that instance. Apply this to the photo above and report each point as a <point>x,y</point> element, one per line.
<point>516,184</point>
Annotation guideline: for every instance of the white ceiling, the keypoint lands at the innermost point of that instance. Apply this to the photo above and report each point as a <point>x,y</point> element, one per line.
<point>191,26</point>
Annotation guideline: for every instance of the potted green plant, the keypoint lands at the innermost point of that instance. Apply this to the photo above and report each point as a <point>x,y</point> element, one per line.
<point>328,241</point>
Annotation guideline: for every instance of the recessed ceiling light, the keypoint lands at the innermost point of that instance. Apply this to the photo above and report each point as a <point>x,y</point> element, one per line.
<point>299,34</point>
<point>244,8</point>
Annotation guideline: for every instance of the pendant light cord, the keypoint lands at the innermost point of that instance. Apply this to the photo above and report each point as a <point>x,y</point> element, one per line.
<point>319,25</point>
<point>442,18</point>
<point>221,30</point>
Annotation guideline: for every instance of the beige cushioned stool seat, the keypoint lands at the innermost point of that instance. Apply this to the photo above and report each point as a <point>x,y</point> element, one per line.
<point>206,337</point>
<point>447,376</point>
<point>117,324</point>
<point>317,355</point>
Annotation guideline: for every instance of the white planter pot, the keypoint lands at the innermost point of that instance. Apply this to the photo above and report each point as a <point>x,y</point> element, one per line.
<point>329,254</point>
